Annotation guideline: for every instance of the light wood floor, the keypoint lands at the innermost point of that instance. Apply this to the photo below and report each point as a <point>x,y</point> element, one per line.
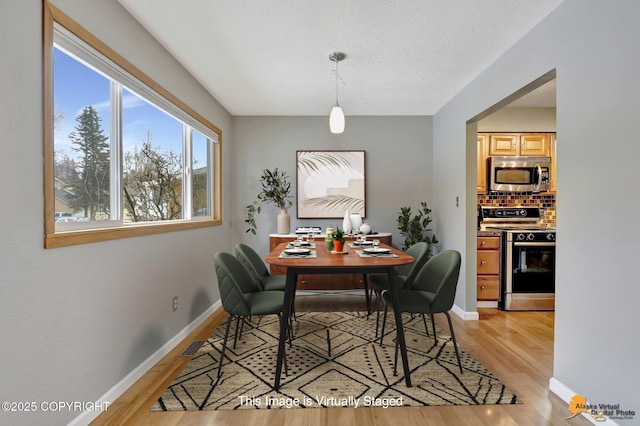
<point>517,347</point>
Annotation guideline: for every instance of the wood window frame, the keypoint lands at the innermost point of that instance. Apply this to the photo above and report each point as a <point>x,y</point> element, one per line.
<point>53,239</point>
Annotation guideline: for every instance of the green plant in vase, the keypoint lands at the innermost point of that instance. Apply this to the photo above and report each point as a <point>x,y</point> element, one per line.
<point>275,189</point>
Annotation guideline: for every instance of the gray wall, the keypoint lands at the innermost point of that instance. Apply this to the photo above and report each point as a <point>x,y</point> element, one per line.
<point>520,119</point>
<point>75,321</point>
<point>398,166</point>
<point>592,46</point>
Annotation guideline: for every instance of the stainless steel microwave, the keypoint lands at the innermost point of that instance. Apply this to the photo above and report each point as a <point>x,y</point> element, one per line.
<point>519,174</point>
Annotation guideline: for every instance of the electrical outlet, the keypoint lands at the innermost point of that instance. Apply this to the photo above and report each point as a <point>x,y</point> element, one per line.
<point>457,201</point>
<point>175,303</point>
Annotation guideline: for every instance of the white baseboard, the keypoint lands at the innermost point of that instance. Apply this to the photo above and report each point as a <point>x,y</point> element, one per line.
<point>467,316</point>
<point>486,304</point>
<point>565,393</point>
<point>115,392</point>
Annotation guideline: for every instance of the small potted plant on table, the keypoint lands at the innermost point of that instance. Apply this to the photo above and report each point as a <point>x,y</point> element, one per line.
<point>338,240</point>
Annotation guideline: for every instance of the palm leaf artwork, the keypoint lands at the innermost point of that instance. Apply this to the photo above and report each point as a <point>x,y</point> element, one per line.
<point>330,183</point>
<point>318,161</point>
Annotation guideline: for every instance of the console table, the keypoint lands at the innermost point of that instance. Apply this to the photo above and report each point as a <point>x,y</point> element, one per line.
<point>324,281</point>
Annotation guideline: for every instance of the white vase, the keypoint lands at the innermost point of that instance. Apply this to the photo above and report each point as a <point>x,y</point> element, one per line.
<point>284,222</point>
<point>356,221</point>
<point>365,228</point>
<point>346,223</point>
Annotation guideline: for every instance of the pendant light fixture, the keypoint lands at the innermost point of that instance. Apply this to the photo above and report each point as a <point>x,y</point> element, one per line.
<point>336,118</point>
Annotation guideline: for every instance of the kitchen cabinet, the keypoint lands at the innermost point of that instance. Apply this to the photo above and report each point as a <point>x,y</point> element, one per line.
<point>552,178</point>
<point>525,144</point>
<point>488,268</point>
<point>483,153</point>
<point>323,281</point>
<point>514,144</point>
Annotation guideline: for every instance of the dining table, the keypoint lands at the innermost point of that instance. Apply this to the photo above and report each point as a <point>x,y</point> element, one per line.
<point>352,260</point>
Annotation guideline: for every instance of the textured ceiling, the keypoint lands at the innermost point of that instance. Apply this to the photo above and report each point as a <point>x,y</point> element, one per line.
<point>271,57</point>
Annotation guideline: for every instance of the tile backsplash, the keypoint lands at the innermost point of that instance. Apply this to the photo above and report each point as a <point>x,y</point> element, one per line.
<point>546,203</point>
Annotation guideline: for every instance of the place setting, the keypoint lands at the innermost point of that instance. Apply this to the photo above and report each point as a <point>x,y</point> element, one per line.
<point>303,242</point>
<point>361,241</point>
<point>375,250</point>
<point>297,252</point>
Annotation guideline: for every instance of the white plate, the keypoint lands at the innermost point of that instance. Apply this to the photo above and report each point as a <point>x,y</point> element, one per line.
<point>363,243</point>
<point>297,251</point>
<point>379,250</point>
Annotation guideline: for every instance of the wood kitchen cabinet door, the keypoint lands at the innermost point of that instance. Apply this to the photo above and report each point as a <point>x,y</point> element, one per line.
<point>504,144</point>
<point>482,154</point>
<point>488,268</point>
<point>552,178</point>
<point>488,287</point>
<point>516,144</point>
<point>535,144</point>
<point>488,262</point>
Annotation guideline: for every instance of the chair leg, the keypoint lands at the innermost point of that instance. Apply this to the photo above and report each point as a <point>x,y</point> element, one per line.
<point>367,296</point>
<point>235,338</point>
<point>293,306</point>
<point>455,344</point>
<point>377,311</point>
<point>384,322</point>
<point>433,326</point>
<point>425,324</point>
<point>224,343</point>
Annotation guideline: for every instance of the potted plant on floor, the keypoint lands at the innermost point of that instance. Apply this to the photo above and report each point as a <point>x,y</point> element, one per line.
<point>275,189</point>
<point>416,228</point>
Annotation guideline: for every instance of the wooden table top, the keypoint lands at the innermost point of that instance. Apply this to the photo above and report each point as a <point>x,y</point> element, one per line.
<point>325,259</point>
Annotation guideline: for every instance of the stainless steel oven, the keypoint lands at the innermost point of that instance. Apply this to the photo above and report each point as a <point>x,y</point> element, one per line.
<point>529,281</point>
<point>528,271</point>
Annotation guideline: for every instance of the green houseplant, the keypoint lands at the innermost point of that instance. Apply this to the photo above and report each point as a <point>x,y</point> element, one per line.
<point>415,228</point>
<point>338,237</point>
<point>275,189</point>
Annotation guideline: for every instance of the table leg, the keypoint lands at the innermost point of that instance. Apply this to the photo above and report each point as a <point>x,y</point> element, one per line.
<point>399,328</point>
<point>289,291</point>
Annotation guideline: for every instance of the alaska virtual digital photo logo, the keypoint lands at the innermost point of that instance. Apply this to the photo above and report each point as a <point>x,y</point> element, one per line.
<point>599,412</point>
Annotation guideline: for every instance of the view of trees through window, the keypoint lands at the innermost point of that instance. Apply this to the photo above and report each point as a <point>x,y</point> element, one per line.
<point>138,174</point>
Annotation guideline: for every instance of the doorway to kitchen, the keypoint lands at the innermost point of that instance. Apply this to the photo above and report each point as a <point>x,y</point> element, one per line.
<point>523,125</point>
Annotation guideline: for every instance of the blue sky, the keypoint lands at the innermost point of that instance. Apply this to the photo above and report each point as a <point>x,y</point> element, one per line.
<point>77,86</point>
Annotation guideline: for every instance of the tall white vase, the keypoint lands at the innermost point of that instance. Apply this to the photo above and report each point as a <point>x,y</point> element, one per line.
<point>346,223</point>
<point>284,222</point>
<point>356,221</point>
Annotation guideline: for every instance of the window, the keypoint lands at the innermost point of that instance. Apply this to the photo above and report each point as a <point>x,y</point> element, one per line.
<point>123,157</point>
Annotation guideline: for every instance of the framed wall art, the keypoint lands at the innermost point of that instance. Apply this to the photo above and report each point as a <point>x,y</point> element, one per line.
<point>330,182</point>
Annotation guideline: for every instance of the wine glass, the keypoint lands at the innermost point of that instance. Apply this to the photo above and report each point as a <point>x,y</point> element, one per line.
<point>376,244</point>
<point>311,238</point>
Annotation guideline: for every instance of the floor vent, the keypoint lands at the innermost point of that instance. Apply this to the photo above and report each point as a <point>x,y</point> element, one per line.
<point>192,348</point>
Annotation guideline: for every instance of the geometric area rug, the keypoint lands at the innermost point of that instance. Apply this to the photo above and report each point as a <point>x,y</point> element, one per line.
<point>333,362</point>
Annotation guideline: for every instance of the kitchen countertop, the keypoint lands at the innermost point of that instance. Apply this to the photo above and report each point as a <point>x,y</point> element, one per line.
<point>489,233</point>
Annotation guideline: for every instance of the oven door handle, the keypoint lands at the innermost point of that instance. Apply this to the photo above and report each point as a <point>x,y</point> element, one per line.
<point>533,244</point>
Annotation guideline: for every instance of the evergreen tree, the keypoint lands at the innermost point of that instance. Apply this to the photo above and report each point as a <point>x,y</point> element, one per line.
<point>91,189</point>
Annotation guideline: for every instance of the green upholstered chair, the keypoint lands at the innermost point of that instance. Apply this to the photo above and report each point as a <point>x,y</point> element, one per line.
<point>252,261</point>
<point>405,274</point>
<point>433,291</point>
<point>241,297</point>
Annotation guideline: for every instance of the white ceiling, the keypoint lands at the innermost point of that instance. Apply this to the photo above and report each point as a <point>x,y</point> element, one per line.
<point>404,57</point>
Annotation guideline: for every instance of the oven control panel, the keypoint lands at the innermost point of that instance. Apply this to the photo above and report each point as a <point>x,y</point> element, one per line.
<point>526,236</point>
